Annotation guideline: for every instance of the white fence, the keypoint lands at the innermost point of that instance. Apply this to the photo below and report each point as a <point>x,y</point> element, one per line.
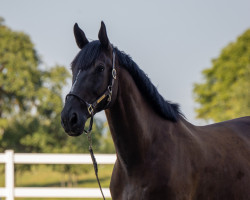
<point>10,191</point>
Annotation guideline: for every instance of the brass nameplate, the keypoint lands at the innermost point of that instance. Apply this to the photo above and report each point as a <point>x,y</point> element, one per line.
<point>101,98</point>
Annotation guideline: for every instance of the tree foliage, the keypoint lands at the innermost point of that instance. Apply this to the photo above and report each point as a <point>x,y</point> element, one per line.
<point>225,93</point>
<point>30,97</point>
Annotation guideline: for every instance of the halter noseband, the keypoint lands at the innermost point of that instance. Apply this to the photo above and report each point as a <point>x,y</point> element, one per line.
<point>108,93</point>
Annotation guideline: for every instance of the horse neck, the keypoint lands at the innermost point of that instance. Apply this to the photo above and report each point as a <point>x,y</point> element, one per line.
<point>133,122</point>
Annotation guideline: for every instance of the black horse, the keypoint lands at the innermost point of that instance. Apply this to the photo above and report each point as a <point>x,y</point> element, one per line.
<point>159,154</point>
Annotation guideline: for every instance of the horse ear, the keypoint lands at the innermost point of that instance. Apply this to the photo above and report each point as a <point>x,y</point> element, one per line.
<point>103,37</point>
<point>80,37</point>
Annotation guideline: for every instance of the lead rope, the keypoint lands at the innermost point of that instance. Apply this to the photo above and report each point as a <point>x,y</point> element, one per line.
<point>88,133</point>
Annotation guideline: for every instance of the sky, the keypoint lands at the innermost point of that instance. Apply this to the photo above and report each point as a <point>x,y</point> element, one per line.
<point>171,41</point>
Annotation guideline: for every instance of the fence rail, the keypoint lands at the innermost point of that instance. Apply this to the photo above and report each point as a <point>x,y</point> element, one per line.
<point>10,159</point>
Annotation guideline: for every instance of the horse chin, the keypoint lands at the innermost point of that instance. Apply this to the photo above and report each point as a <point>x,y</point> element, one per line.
<point>74,134</point>
<point>77,131</point>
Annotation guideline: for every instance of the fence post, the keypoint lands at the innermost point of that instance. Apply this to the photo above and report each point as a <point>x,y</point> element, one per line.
<point>9,174</point>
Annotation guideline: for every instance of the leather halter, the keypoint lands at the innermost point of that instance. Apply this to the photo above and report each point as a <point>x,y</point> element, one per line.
<point>108,93</point>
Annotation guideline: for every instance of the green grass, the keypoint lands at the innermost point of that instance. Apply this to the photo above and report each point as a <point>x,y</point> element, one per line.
<point>44,176</point>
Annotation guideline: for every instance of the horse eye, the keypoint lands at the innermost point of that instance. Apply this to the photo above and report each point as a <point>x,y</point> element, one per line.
<point>100,68</point>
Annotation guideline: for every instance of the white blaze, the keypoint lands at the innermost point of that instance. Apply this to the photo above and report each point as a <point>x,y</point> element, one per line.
<point>73,86</point>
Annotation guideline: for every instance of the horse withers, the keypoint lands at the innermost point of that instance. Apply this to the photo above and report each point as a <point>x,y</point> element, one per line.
<point>159,154</point>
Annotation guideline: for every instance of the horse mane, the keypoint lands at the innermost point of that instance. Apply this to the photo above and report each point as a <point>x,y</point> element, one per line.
<point>166,109</point>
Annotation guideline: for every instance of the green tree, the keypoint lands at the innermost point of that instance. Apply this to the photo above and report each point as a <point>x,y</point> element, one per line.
<point>225,93</point>
<point>30,95</point>
<point>19,74</point>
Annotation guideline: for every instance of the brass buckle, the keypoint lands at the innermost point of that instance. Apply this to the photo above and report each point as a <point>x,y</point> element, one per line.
<point>109,98</point>
<point>114,73</point>
<point>90,109</point>
<point>110,89</point>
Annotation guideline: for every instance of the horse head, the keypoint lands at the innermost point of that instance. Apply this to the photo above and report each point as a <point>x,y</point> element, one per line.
<point>93,83</point>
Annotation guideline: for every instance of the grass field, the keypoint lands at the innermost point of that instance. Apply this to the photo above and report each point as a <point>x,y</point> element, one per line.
<point>44,176</point>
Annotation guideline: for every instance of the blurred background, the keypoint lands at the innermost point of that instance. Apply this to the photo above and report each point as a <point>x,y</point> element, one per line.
<point>196,53</point>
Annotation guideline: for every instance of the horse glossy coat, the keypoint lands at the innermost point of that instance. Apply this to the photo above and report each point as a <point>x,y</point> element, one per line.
<point>159,154</point>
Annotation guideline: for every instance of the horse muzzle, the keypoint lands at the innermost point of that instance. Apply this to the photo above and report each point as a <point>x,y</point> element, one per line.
<point>73,121</point>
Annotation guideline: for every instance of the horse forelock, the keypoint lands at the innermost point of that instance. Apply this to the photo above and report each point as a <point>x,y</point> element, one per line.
<point>87,56</point>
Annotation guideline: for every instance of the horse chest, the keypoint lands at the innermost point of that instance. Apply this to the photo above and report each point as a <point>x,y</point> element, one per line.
<point>132,191</point>
<point>136,191</point>
<point>124,188</point>
<point>137,186</point>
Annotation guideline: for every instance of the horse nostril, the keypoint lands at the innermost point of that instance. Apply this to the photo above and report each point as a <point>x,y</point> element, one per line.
<point>73,119</point>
